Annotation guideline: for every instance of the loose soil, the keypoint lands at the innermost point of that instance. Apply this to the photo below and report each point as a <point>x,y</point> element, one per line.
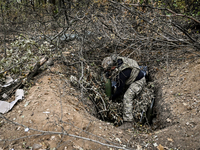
<point>53,116</point>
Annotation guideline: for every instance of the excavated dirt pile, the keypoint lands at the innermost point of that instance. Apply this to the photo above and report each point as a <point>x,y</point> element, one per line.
<point>52,115</point>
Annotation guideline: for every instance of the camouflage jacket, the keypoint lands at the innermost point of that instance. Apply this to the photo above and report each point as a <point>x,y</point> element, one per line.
<point>128,63</point>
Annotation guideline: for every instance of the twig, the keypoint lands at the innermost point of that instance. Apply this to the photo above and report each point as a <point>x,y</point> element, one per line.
<point>60,33</point>
<point>82,71</point>
<point>59,133</point>
<point>104,104</point>
<point>181,29</point>
<point>4,28</point>
<point>35,69</point>
<point>175,14</point>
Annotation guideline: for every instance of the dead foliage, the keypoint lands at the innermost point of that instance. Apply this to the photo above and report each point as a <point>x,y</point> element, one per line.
<point>80,34</point>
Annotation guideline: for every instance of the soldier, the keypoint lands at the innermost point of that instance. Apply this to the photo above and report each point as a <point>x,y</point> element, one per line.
<point>125,71</point>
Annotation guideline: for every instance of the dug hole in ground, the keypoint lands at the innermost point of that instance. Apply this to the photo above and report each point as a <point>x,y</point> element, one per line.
<point>51,116</point>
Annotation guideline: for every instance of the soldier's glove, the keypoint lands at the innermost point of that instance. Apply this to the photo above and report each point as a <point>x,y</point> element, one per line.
<point>110,98</point>
<point>107,74</point>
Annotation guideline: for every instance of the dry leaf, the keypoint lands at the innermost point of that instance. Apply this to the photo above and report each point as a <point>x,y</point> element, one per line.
<point>99,38</point>
<point>139,147</point>
<point>160,147</point>
<point>169,139</point>
<point>77,109</point>
<point>169,120</point>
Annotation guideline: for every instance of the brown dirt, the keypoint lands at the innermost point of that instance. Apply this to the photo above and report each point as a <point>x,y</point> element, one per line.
<point>52,106</point>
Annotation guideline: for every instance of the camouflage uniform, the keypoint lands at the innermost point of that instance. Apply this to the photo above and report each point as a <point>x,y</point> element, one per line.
<point>135,86</point>
<point>134,89</point>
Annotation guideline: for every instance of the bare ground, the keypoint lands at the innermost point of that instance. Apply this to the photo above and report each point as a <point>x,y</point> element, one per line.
<point>56,118</point>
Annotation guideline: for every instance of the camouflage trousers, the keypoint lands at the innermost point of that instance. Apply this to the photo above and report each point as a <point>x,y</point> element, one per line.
<point>134,89</point>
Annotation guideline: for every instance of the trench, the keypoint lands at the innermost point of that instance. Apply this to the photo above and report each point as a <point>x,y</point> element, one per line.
<point>98,104</point>
<point>145,116</point>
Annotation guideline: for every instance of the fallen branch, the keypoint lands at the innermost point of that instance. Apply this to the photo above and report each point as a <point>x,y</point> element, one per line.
<point>15,85</point>
<point>43,133</point>
<point>36,68</point>
<point>182,15</point>
<point>169,10</point>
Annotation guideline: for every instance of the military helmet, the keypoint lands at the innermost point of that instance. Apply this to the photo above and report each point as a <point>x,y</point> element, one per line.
<point>108,62</point>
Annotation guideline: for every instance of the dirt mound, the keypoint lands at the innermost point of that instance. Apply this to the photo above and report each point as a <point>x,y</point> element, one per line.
<point>179,106</point>
<point>52,108</point>
<point>52,116</point>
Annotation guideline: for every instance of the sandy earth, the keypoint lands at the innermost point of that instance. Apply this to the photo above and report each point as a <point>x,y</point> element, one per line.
<point>181,105</point>
<point>51,116</point>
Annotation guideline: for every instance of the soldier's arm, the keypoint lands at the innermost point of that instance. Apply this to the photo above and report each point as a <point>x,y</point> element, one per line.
<point>121,80</point>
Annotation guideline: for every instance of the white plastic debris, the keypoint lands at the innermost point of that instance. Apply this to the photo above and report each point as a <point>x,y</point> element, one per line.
<point>5,106</point>
<point>187,123</point>
<point>118,140</point>
<point>25,105</point>
<point>4,95</point>
<point>46,112</point>
<point>9,81</point>
<point>155,144</point>
<point>26,130</point>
